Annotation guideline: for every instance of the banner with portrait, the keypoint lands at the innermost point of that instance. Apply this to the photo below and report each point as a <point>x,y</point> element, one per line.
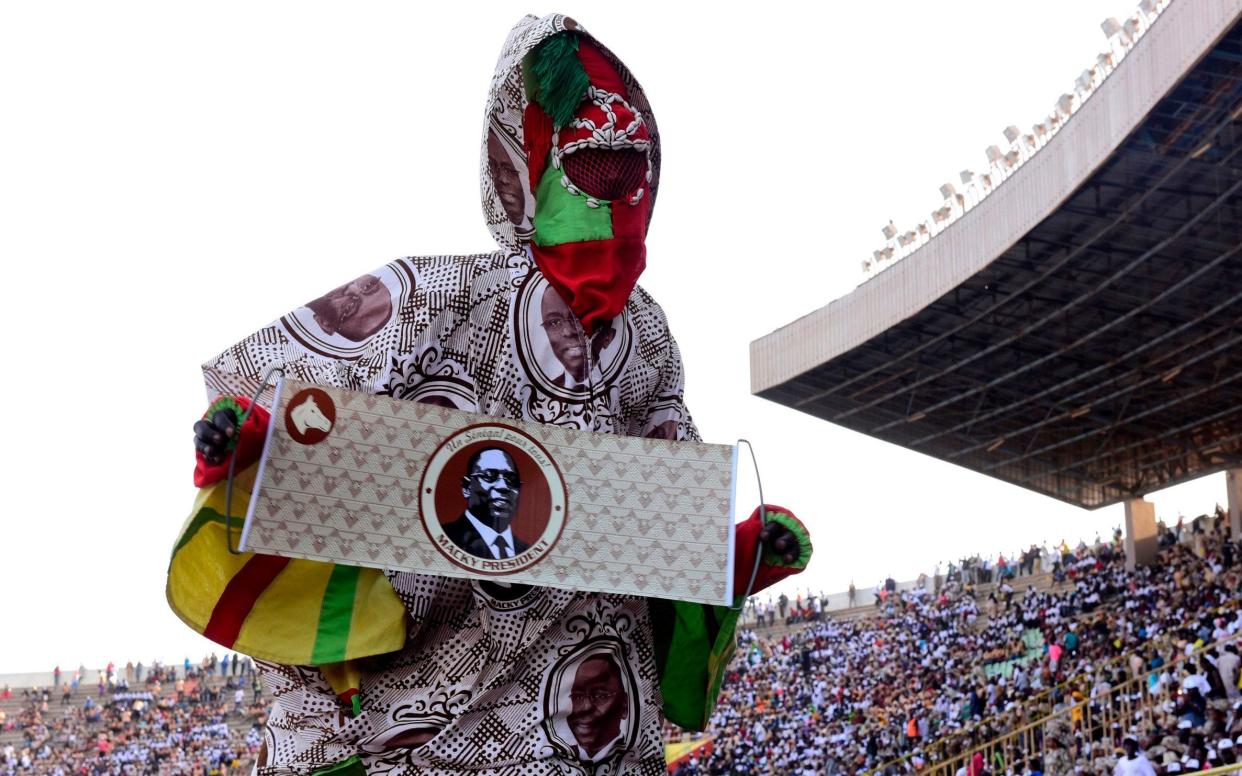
<point>364,480</point>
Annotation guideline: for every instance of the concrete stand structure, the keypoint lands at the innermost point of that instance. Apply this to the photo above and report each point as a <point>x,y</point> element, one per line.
<point>1074,331</point>
<point>1141,539</point>
<point>1233,483</point>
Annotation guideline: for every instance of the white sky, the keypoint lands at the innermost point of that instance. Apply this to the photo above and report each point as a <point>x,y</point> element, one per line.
<point>175,175</point>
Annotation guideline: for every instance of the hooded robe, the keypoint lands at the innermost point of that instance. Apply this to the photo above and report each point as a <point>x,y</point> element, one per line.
<point>410,673</point>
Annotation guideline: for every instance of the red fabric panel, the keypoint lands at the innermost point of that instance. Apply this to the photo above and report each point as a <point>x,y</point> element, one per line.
<point>601,72</point>
<point>746,540</point>
<point>630,221</point>
<point>594,278</point>
<point>239,597</point>
<point>249,448</point>
<point>537,137</point>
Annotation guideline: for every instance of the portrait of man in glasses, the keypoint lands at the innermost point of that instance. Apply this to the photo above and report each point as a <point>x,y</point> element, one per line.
<point>569,342</point>
<point>491,486</point>
<point>355,311</point>
<point>599,708</point>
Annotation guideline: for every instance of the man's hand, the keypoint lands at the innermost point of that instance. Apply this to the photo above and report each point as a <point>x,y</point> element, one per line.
<point>212,437</point>
<point>779,540</point>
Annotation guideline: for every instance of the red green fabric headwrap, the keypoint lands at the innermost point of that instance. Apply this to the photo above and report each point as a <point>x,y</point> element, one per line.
<point>588,152</point>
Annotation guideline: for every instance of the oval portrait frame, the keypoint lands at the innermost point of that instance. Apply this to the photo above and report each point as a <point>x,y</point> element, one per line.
<point>450,450</point>
<point>299,325</point>
<point>558,685</point>
<point>534,350</point>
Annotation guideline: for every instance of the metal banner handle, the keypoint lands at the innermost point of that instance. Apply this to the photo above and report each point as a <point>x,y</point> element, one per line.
<point>763,519</point>
<point>228,488</point>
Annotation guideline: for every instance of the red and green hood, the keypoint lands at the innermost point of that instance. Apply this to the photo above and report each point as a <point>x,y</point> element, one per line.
<point>570,163</point>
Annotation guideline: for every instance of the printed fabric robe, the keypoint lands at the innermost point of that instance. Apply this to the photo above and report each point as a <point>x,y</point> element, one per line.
<point>454,675</point>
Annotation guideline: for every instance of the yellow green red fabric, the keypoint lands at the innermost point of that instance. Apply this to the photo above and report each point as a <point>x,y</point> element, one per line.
<point>285,610</point>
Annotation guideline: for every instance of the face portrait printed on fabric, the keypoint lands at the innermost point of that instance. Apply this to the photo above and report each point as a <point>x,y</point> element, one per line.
<point>503,161</point>
<point>352,318</point>
<point>550,328</point>
<point>556,352</point>
<point>491,486</point>
<point>590,702</point>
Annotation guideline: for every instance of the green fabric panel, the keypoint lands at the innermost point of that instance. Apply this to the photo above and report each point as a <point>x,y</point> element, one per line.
<point>205,515</point>
<point>711,623</point>
<point>694,644</point>
<point>337,614</point>
<point>561,217</point>
<point>722,653</point>
<point>683,674</point>
<point>351,767</point>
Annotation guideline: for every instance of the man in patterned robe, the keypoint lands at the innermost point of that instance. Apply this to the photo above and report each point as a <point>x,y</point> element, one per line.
<point>469,676</point>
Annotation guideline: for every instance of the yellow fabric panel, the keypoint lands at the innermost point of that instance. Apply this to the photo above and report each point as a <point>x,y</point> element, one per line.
<point>342,677</point>
<point>214,496</point>
<point>379,617</point>
<point>198,575</point>
<point>282,625</point>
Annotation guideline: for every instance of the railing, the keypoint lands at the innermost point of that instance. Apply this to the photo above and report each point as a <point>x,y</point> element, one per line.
<point>1021,146</point>
<point>1042,703</point>
<point>1127,703</point>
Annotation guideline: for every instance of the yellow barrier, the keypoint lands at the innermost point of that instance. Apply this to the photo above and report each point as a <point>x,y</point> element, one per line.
<point>1222,769</point>
<point>1040,704</point>
<point>1092,716</point>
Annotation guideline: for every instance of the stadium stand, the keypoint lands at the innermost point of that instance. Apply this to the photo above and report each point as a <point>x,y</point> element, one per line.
<point>1048,672</point>
<point>1044,331</point>
<point>204,721</point>
<point>934,683</point>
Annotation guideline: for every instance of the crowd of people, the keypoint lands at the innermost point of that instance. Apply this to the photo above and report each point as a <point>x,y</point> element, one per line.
<point>940,670</point>
<point>969,571</point>
<point>925,679</point>
<point>205,719</point>
<point>791,610</point>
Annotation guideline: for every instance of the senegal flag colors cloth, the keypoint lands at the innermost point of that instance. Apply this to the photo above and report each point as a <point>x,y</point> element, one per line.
<point>679,753</point>
<point>695,642</point>
<point>284,610</point>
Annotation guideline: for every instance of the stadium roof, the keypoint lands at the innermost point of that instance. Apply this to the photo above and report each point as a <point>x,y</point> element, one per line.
<point>1078,331</point>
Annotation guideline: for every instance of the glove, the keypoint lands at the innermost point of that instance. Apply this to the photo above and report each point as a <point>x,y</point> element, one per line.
<point>777,539</point>
<point>219,438</point>
<point>215,437</point>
